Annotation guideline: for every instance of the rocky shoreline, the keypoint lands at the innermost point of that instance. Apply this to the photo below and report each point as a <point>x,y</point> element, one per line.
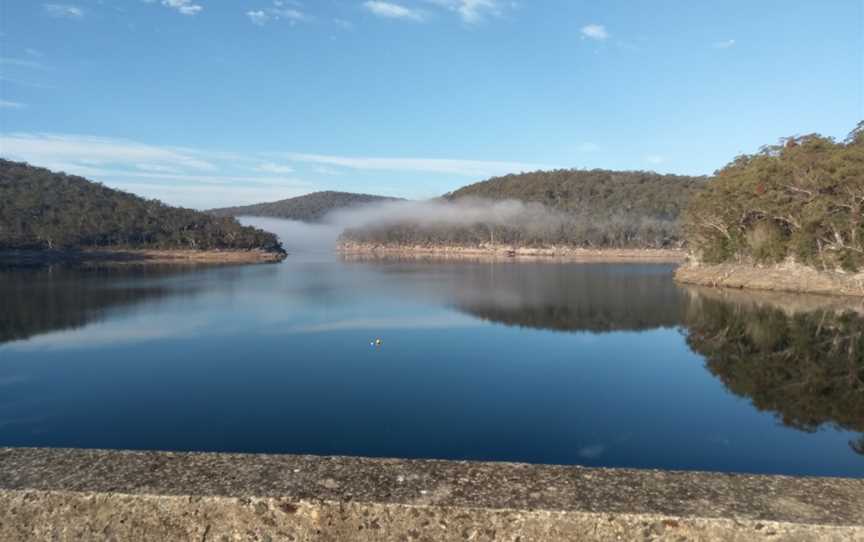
<point>136,256</point>
<point>784,277</point>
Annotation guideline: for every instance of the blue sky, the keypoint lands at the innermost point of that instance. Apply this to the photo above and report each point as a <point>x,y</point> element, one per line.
<point>205,103</point>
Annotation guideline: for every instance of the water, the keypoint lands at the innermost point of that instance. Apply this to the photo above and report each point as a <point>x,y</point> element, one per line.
<point>592,364</point>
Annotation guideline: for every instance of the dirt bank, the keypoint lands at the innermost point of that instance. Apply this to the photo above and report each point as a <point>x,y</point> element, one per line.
<point>124,256</point>
<point>785,277</point>
<point>564,253</point>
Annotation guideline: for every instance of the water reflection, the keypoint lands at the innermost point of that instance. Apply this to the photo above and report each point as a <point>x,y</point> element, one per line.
<point>278,359</point>
<point>40,300</point>
<point>596,297</point>
<point>800,357</point>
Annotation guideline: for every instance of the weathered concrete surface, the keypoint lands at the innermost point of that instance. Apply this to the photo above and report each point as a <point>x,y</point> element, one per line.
<point>85,495</point>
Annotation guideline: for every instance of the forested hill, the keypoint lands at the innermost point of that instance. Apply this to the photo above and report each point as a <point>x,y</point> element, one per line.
<point>309,208</point>
<point>40,209</point>
<point>594,193</point>
<point>565,208</point>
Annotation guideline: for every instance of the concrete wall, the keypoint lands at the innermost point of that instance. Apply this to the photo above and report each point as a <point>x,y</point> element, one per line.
<point>94,495</point>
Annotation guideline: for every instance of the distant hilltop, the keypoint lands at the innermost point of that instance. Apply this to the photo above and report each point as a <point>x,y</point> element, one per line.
<point>309,208</point>
<point>600,194</point>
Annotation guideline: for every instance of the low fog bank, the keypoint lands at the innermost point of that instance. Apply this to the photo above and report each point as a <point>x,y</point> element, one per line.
<point>297,236</point>
<point>322,236</point>
<point>469,221</point>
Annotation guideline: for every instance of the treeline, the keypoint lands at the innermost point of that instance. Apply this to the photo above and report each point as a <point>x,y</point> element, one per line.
<point>40,209</point>
<point>575,208</point>
<point>803,198</point>
<point>309,208</point>
<point>536,226</point>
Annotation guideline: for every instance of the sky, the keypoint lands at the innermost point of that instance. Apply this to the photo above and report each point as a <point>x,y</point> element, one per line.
<point>207,103</point>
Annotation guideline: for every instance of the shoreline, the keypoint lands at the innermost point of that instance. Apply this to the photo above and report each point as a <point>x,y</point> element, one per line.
<point>509,253</point>
<point>136,256</point>
<point>785,277</point>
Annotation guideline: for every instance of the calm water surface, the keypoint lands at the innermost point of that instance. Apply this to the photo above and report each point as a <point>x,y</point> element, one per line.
<point>592,364</point>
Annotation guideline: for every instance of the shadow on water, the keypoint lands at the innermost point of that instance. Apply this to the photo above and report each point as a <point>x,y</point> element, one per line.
<point>800,357</point>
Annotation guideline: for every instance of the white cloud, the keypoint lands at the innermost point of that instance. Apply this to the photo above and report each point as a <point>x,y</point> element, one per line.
<point>595,32</point>
<point>259,17</point>
<point>726,44</point>
<point>21,63</point>
<point>471,11</point>
<point>592,452</point>
<point>655,159</point>
<point>342,23</point>
<point>186,7</point>
<point>178,176</point>
<point>157,168</point>
<point>275,13</point>
<point>6,104</point>
<point>270,167</point>
<point>472,168</point>
<point>205,179</point>
<point>63,11</point>
<point>40,149</point>
<point>392,11</point>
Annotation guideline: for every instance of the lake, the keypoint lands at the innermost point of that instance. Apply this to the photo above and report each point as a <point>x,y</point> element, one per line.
<point>594,364</point>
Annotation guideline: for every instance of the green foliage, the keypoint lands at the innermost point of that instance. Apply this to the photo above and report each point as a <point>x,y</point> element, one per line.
<point>595,209</point>
<point>309,208</point>
<point>801,198</point>
<point>40,209</point>
<point>595,194</point>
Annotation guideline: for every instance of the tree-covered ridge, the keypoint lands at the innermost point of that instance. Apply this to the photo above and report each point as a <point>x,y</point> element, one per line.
<point>309,208</point>
<point>574,208</point>
<point>803,198</point>
<point>40,209</point>
<point>596,193</point>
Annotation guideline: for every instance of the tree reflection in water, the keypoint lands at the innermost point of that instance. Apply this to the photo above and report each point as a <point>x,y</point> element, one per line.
<point>800,357</point>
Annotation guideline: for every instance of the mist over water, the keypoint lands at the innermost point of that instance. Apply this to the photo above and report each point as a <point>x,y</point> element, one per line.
<point>322,236</point>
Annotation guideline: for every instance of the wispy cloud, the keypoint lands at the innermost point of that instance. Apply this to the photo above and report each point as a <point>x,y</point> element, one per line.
<point>725,44</point>
<point>471,11</point>
<point>471,168</point>
<point>21,63</point>
<point>277,12</point>
<point>50,148</point>
<point>655,159</point>
<point>63,11</point>
<point>202,178</point>
<point>270,167</point>
<point>588,147</point>
<point>179,176</point>
<point>595,32</point>
<point>34,53</point>
<point>6,104</point>
<point>185,7</point>
<point>389,10</point>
